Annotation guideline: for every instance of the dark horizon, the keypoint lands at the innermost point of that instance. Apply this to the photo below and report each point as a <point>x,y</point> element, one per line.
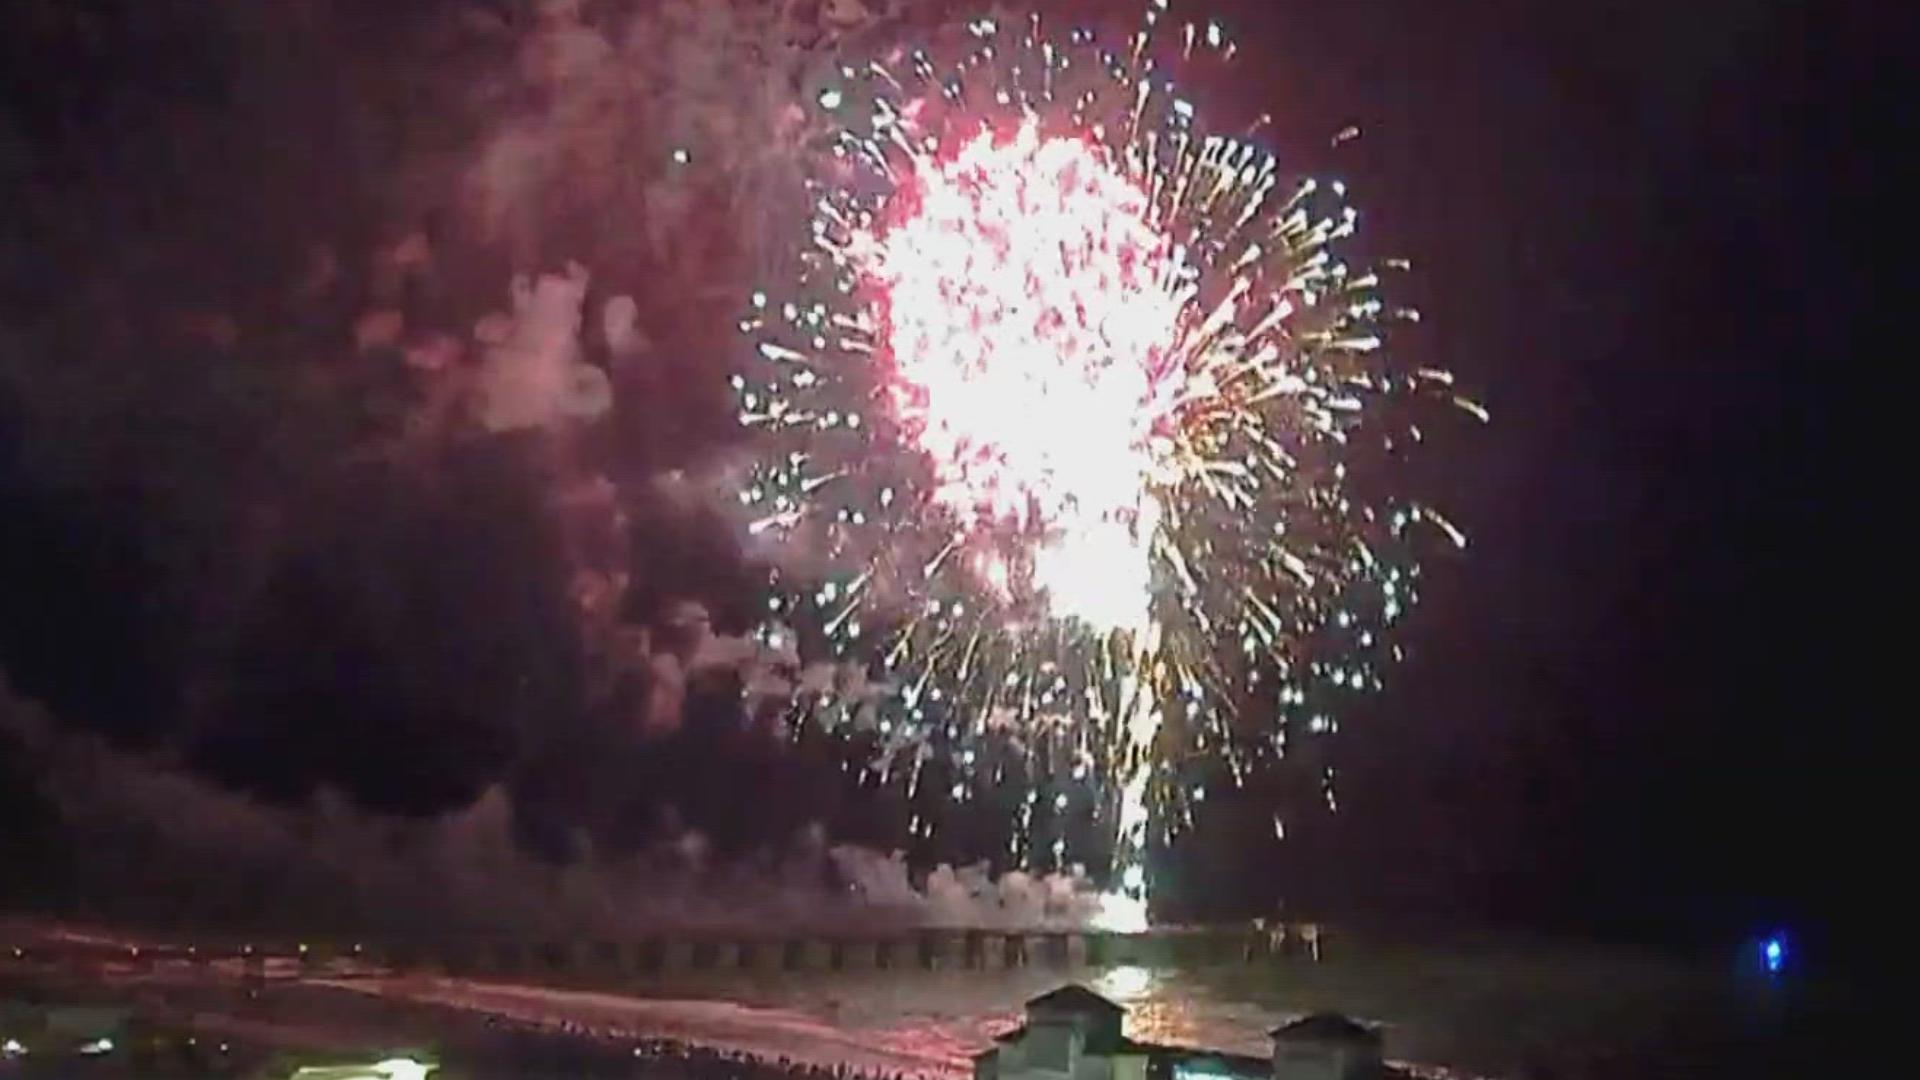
<point>1633,708</point>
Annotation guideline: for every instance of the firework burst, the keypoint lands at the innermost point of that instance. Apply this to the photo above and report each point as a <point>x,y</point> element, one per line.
<point>1073,401</point>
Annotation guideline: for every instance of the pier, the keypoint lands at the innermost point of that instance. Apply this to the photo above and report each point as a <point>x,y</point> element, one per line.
<point>666,955</point>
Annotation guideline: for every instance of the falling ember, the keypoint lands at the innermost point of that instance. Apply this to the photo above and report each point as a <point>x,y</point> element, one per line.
<point>1070,399</point>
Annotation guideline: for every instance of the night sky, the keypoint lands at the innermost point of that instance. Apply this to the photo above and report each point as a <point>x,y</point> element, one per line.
<point>1643,702</point>
<point>1634,707</point>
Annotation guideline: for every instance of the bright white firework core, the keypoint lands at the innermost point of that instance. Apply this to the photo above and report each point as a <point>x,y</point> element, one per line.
<point>1028,306</point>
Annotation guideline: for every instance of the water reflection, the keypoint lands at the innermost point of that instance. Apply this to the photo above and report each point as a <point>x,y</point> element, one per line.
<point>1125,984</point>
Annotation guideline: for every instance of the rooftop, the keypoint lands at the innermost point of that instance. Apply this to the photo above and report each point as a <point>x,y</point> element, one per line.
<point>1326,1026</point>
<point>1074,998</point>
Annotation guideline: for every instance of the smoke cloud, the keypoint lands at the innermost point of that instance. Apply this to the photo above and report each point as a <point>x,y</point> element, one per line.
<point>370,544</point>
<point>641,121</point>
<point>533,375</point>
<point>157,846</point>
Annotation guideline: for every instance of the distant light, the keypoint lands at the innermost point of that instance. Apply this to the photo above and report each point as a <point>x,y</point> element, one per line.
<point>403,1069</point>
<point>102,1045</point>
<point>1124,983</point>
<point>390,1069</point>
<point>1773,953</point>
<point>12,1048</point>
<point>681,156</point>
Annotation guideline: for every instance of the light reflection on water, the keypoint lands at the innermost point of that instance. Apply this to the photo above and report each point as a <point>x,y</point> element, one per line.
<point>968,1008</point>
<point>1155,1016</point>
<point>1478,1010</point>
<point>1483,1007</point>
<point>1125,984</point>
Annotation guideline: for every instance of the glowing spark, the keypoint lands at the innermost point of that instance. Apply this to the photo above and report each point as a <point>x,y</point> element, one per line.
<point>1081,392</point>
<point>1026,310</point>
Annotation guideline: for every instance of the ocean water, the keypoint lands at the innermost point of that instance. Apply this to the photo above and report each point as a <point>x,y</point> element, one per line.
<point>1471,1010</point>
<point>1467,1011</point>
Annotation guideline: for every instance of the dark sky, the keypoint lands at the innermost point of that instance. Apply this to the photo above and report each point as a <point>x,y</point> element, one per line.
<point>1638,700</point>
<point>1634,705</point>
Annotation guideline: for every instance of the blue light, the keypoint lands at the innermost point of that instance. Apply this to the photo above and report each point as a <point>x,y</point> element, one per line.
<point>1773,952</point>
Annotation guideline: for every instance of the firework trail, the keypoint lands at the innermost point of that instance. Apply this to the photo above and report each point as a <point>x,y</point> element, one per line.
<point>1083,416</point>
